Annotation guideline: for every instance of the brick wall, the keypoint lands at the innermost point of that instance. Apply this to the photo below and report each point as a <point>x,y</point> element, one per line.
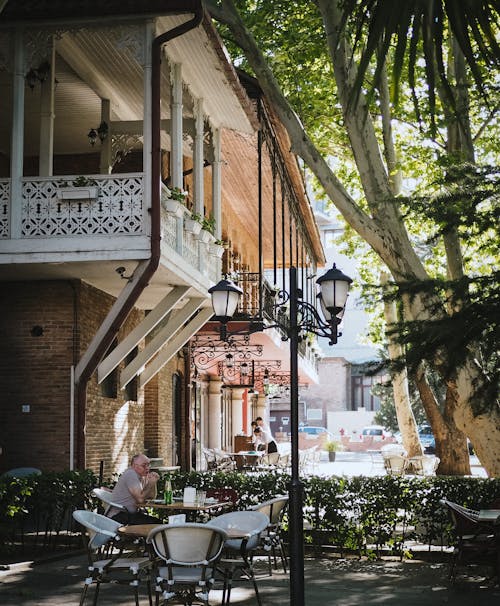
<point>44,329</point>
<point>37,349</point>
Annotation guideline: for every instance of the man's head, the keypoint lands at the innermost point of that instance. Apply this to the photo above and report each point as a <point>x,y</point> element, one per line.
<point>260,421</point>
<point>140,464</point>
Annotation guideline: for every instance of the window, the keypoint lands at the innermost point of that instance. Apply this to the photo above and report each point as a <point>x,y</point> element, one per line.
<point>362,392</point>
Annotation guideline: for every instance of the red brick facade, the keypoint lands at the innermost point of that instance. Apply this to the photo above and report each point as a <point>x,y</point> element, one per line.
<point>44,329</point>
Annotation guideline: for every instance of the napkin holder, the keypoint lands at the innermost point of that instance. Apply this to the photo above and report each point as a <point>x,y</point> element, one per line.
<point>189,496</point>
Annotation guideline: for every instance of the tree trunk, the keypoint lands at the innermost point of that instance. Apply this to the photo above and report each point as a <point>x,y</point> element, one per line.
<point>404,413</point>
<point>451,443</point>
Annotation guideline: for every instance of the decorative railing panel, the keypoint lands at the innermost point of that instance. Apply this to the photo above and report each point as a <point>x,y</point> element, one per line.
<point>4,208</point>
<point>168,229</point>
<point>117,209</point>
<point>99,205</point>
<point>191,249</point>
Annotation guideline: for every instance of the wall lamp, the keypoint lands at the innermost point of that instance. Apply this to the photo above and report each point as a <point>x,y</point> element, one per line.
<point>295,317</point>
<point>101,132</point>
<point>38,74</point>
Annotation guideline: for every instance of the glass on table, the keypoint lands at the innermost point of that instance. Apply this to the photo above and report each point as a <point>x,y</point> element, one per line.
<point>201,495</point>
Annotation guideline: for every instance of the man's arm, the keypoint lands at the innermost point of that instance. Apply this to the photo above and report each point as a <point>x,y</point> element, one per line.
<point>143,492</point>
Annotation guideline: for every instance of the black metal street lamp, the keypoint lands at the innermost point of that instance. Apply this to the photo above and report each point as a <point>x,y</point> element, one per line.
<point>334,288</point>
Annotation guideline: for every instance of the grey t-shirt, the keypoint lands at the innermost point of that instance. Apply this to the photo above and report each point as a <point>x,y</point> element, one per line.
<point>122,494</point>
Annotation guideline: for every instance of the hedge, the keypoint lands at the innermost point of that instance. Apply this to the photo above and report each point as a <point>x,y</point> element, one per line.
<point>361,514</point>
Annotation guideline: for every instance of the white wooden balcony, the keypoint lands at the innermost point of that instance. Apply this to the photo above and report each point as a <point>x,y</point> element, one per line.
<point>106,219</point>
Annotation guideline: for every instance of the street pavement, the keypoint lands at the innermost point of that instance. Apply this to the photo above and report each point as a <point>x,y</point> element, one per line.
<point>367,464</point>
<point>331,581</point>
<point>335,582</point>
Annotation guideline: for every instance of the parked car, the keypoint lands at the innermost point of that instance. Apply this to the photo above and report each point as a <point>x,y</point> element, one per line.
<point>427,439</point>
<point>315,431</point>
<point>377,432</point>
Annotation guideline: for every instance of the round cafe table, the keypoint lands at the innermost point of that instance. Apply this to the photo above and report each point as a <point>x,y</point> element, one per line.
<point>137,530</point>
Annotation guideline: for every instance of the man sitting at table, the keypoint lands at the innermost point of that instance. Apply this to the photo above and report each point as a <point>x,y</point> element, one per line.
<point>136,485</point>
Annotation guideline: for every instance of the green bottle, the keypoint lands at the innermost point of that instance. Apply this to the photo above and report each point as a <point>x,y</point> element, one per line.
<point>167,492</point>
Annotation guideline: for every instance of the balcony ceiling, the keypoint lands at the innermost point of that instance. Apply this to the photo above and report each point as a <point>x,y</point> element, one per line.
<point>102,62</point>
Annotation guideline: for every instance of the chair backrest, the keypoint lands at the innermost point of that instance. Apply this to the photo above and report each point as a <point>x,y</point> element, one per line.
<point>106,497</point>
<point>464,520</point>
<point>395,464</point>
<point>100,529</point>
<point>271,458</point>
<point>187,544</point>
<point>393,449</point>
<point>273,508</point>
<point>284,461</point>
<point>248,521</point>
<point>22,472</point>
<point>210,459</point>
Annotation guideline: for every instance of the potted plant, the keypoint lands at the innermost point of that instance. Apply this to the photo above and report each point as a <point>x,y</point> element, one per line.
<point>81,188</point>
<point>208,228</point>
<point>331,448</point>
<point>193,223</point>
<point>216,248</point>
<point>208,224</point>
<point>175,202</point>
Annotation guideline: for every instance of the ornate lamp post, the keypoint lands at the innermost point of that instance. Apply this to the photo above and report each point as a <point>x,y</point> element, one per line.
<point>334,288</point>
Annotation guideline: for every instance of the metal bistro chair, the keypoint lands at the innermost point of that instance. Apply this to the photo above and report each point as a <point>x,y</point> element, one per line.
<point>110,565</point>
<point>274,509</point>
<point>395,465</point>
<point>269,462</point>
<point>217,459</point>
<point>238,552</point>
<point>105,496</point>
<point>475,540</point>
<point>188,557</point>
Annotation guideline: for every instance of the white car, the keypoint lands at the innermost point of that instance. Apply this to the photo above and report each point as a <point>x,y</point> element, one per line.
<point>377,432</point>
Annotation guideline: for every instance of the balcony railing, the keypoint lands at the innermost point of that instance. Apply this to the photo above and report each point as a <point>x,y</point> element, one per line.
<point>107,205</point>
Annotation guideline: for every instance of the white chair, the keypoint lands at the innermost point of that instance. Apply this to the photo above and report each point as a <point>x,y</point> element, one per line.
<point>105,496</point>
<point>284,461</point>
<point>395,465</point>
<point>104,550</point>
<point>274,510</point>
<point>249,526</point>
<point>218,460</point>
<point>269,462</point>
<point>189,555</point>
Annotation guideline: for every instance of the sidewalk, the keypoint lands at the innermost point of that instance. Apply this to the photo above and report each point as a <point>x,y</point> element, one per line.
<point>352,464</point>
<point>336,582</point>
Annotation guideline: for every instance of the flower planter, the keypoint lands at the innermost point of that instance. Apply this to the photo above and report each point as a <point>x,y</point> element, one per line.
<point>215,249</point>
<point>331,456</point>
<point>206,236</point>
<point>174,207</point>
<point>192,226</point>
<point>87,192</point>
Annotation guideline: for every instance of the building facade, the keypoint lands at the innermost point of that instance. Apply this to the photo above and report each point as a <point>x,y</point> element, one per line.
<point>136,168</point>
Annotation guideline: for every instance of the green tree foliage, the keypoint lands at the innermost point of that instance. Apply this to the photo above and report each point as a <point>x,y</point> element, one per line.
<point>417,31</point>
